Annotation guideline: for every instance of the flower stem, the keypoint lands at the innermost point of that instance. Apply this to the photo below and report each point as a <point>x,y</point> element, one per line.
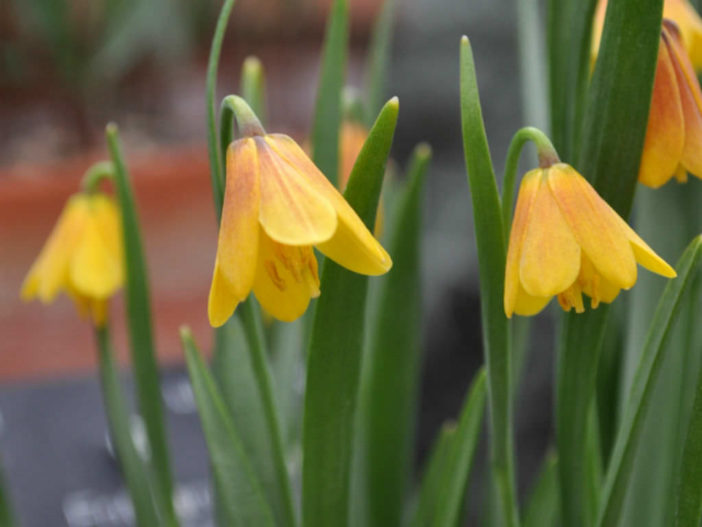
<point>246,119</point>
<point>96,174</point>
<point>547,156</point>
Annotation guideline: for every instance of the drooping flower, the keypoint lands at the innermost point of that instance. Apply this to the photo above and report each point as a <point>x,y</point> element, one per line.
<point>673,145</point>
<point>566,241</point>
<point>277,206</point>
<point>679,11</point>
<point>82,257</point>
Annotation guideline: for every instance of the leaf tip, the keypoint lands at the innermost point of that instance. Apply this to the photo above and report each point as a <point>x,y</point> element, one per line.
<point>423,151</point>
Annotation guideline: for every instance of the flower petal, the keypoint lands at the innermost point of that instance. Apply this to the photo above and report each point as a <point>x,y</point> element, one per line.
<point>646,256</point>
<point>690,24</point>
<point>665,133</point>
<point>352,246</point>
<point>527,305</point>
<point>237,248</point>
<point>595,225</point>
<point>550,259</point>
<point>292,211</point>
<point>286,278</point>
<point>525,199</point>
<point>221,302</point>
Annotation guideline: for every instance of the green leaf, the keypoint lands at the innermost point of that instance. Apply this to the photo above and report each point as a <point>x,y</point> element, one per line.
<point>541,509</point>
<point>614,128</point>
<point>432,481</point>
<point>490,240</point>
<point>135,472</point>
<point>336,348</point>
<point>138,309</point>
<point>390,387</point>
<point>655,349</point>
<point>454,480</point>
<point>569,33</point>
<point>237,380</point>
<point>327,114</point>
<point>378,60</point>
<point>242,501</point>
<point>253,86</point>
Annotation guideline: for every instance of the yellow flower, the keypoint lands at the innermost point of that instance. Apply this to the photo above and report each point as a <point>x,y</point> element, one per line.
<point>277,206</point>
<point>673,145</point>
<point>565,241</point>
<point>679,11</point>
<point>83,257</point>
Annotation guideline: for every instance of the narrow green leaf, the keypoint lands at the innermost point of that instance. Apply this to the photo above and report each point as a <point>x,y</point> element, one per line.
<point>655,349</point>
<point>541,509</point>
<point>432,481</point>
<point>532,62</point>
<point>389,391</point>
<point>569,32</point>
<point>455,479</point>
<point>7,516</point>
<point>336,348</point>
<point>237,381</point>
<point>242,502</point>
<point>613,134</point>
<point>378,60</point>
<point>253,86</point>
<point>134,470</point>
<point>489,236</point>
<point>327,114</point>
<point>138,309</point>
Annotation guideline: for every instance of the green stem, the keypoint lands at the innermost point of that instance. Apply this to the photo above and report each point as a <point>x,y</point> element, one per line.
<point>236,109</point>
<point>547,157</point>
<point>96,174</point>
<point>253,86</point>
<point>254,336</point>
<point>133,468</point>
<point>216,168</point>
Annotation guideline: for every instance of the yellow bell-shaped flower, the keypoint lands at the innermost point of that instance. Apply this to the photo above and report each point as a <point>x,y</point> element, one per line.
<point>566,241</point>
<point>82,257</point>
<point>277,206</point>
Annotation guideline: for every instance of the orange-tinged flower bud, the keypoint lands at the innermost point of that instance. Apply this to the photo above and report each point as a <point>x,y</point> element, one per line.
<point>566,241</point>
<point>83,257</point>
<point>679,11</point>
<point>277,206</point>
<point>673,145</point>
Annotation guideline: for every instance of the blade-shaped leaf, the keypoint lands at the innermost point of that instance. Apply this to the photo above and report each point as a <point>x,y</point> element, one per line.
<point>541,509</point>
<point>327,114</point>
<point>489,237</point>
<point>138,307</point>
<point>336,347</point>
<point>655,349</point>
<point>237,383</point>
<point>7,517</point>
<point>390,388</point>
<point>241,500</point>
<point>455,479</point>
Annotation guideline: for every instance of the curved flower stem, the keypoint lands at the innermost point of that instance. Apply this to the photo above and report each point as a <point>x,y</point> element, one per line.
<point>216,168</point>
<point>547,157</point>
<point>236,108</point>
<point>96,174</point>
<point>254,336</point>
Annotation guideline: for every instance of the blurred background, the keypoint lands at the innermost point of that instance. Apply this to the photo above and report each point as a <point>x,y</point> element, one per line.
<point>67,67</point>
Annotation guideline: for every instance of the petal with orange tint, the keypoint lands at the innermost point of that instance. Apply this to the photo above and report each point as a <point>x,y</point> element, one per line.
<point>646,256</point>
<point>221,302</point>
<point>595,225</point>
<point>286,278</point>
<point>292,211</point>
<point>550,259</point>
<point>352,246</point>
<point>237,248</point>
<point>527,193</point>
<point>665,132</point>
<point>690,24</point>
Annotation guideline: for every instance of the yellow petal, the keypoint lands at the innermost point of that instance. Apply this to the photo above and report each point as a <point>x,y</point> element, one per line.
<point>352,246</point>
<point>95,270</point>
<point>594,285</point>
<point>237,247</point>
<point>286,278</point>
<point>527,193</point>
<point>665,132</point>
<point>221,302</point>
<point>690,99</point>
<point>690,24</point>
<point>646,256</point>
<point>49,273</point>
<point>550,259</point>
<point>595,225</point>
<point>292,212</point>
<point>527,305</point>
